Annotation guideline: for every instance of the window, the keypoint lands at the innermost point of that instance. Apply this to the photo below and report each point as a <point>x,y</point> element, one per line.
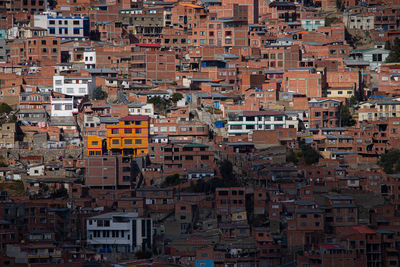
<point>114,131</point>
<point>128,141</point>
<point>127,131</point>
<point>95,143</point>
<point>76,22</point>
<point>76,31</point>
<point>138,123</point>
<point>52,22</point>
<point>138,141</point>
<point>138,131</point>
<point>115,141</point>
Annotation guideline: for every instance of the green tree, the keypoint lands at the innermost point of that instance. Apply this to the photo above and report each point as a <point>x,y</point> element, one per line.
<point>353,100</point>
<point>60,193</point>
<point>176,97</point>
<point>390,161</point>
<point>159,103</point>
<point>52,4</point>
<point>99,94</point>
<point>292,157</point>
<point>394,55</point>
<point>309,154</point>
<point>171,180</point>
<point>339,4</point>
<point>5,108</point>
<point>226,169</point>
<point>388,45</point>
<point>346,119</point>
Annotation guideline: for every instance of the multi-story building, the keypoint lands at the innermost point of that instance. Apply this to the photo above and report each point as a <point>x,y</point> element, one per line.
<point>311,22</point>
<point>359,21</point>
<point>8,135</point>
<point>63,26</point>
<point>185,157</point>
<point>324,113</point>
<point>307,81</point>
<point>306,225</point>
<point>230,200</point>
<point>63,106</point>
<point>108,172</point>
<point>246,122</point>
<point>130,136</point>
<point>44,51</point>
<point>341,211</point>
<point>78,86</point>
<point>379,109</point>
<point>119,232</point>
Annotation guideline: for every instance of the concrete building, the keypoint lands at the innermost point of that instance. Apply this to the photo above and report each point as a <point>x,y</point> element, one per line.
<point>375,56</point>
<point>248,121</point>
<point>63,106</point>
<point>359,21</point>
<point>63,26</point>
<point>77,86</point>
<point>119,232</point>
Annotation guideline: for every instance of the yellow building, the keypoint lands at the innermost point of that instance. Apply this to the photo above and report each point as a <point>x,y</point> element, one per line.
<point>94,145</point>
<point>130,136</point>
<point>346,92</point>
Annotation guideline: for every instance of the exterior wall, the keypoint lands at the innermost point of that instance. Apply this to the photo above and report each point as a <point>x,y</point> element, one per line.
<point>229,200</point>
<point>63,107</point>
<point>120,236</point>
<point>324,114</point>
<point>312,23</point>
<point>362,22</point>
<point>90,59</point>
<point>129,135</point>
<point>110,172</point>
<point>249,121</point>
<point>94,145</point>
<point>304,81</point>
<point>74,86</point>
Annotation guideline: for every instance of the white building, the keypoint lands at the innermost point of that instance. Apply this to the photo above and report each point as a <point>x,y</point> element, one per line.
<point>119,232</point>
<point>90,59</point>
<point>247,121</point>
<point>63,26</point>
<point>63,107</point>
<point>73,86</point>
<point>359,21</point>
<point>141,109</point>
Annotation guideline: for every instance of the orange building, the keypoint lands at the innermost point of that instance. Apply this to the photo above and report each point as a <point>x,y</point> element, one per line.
<point>130,136</point>
<point>94,145</point>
